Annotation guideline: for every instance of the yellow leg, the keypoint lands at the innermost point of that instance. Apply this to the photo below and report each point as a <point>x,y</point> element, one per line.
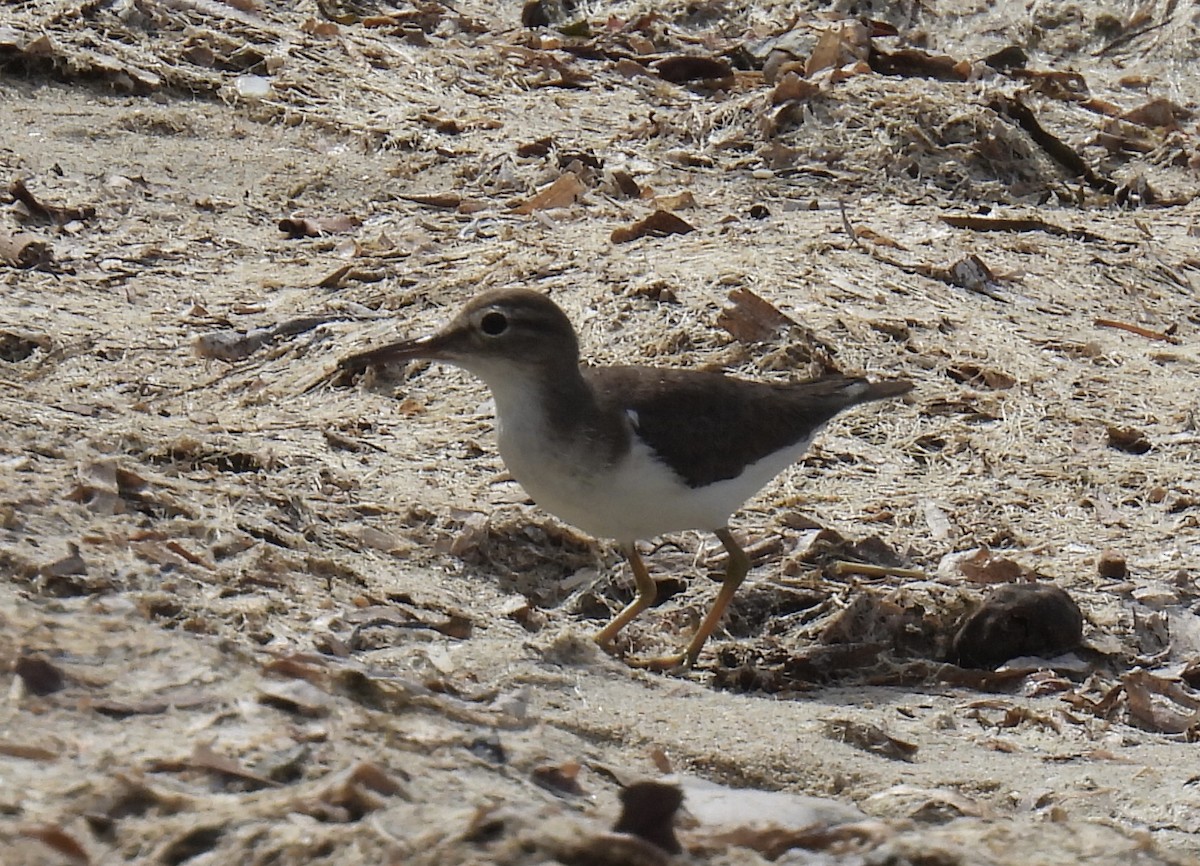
<point>735,573</point>
<point>646,592</point>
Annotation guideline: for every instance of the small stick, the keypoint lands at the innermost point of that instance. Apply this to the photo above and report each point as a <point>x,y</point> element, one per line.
<point>849,229</point>
<point>842,568</point>
<point>1136,329</point>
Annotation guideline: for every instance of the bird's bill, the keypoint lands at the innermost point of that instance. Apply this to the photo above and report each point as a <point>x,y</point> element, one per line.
<point>433,347</point>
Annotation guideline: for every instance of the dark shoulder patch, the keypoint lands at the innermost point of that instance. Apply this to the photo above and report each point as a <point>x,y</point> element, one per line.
<point>707,427</point>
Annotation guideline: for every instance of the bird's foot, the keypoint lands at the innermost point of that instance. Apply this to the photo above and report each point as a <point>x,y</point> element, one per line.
<point>675,661</point>
<point>658,663</point>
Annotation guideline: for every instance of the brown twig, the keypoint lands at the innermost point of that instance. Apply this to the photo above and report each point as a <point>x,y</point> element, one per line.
<point>57,214</point>
<point>1136,329</point>
<point>849,228</point>
<point>843,567</point>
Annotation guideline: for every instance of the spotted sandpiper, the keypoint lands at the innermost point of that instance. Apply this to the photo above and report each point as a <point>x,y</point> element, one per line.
<point>630,453</point>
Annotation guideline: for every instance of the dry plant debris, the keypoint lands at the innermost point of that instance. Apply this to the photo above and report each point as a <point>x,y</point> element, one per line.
<point>250,614</point>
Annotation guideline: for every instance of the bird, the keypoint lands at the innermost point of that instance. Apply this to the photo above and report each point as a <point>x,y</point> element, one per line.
<point>629,453</point>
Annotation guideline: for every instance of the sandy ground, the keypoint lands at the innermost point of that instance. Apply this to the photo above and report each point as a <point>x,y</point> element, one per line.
<point>254,612</point>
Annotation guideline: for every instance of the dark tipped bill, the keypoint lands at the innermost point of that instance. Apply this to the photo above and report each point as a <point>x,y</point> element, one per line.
<point>430,347</point>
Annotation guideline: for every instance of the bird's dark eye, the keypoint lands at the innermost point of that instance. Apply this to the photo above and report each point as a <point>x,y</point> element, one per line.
<point>494,324</point>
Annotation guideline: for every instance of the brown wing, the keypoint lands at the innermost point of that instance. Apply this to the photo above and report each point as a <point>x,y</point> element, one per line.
<point>708,426</point>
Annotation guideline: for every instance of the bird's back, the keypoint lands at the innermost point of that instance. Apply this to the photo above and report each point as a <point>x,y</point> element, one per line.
<point>708,426</point>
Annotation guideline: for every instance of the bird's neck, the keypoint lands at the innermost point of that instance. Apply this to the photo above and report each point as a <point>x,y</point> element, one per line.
<point>529,397</point>
<point>552,415</point>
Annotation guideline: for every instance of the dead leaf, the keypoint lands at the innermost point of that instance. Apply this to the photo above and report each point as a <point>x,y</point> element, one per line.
<point>869,738</point>
<point>1191,673</point>
<point>629,68</point>
<point>299,666</point>
<point>980,680</point>
<point>313,27</point>
<point>829,52</point>
<point>334,280</point>
<point>535,149</point>
<point>70,564</point>
<point>204,758</point>
<point>977,376</point>
<point>1160,112</point>
<point>930,805</point>
<point>444,125</point>
<point>1007,58</point>
<point>1128,439</point>
<point>625,184</point>
<point>676,201</point>
<point>352,793</point>
<point>792,88</point>
<point>192,843</point>
<point>563,192</point>
<point>298,697</point>
<point>53,836</point>
<point>971,273</point>
<point>751,319</point>
<point>379,540</point>
<point>1102,708</point>
<point>57,214</point>
<point>1161,704</point>
<point>27,752</point>
<point>313,227</point>
<point>1015,716</point>
<point>183,699</point>
<point>770,822</point>
<point>691,67</point>
<point>560,778</point>
<point>869,234</point>
<point>659,224</point>
<point>913,63</point>
<point>17,345</point>
<point>25,251</point>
